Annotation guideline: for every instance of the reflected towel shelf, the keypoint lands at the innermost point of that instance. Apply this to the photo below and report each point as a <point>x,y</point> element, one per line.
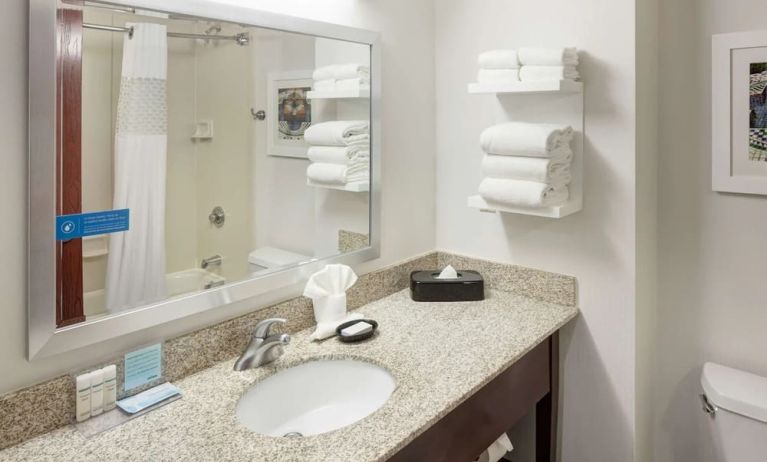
<point>358,93</point>
<point>559,211</point>
<point>553,86</point>
<point>358,186</point>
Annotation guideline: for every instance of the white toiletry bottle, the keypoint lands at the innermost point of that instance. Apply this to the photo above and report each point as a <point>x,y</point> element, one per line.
<point>110,387</point>
<point>97,392</point>
<point>83,401</point>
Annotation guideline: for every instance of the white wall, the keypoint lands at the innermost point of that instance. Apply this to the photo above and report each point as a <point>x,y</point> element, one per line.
<point>598,244</point>
<point>408,162</point>
<point>712,254</point>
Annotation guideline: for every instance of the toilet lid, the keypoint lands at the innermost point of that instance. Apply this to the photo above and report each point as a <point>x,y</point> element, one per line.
<point>737,391</point>
<point>272,257</point>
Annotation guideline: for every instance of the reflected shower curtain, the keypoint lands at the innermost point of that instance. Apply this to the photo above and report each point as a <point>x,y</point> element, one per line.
<point>136,261</point>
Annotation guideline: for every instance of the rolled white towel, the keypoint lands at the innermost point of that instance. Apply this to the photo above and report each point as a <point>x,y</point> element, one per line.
<point>498,59</point>
<point>529,56</point>
<point>324,85</point>
<point>324,73</point>
<point>521,193</point>
<point>525,139</point>
<point>337,133</point>
<point>351,71</point>
<point>338,174</point>
<point>497,75</point>
<point>339,155</point>
<point>547,73</point>
<point>353,84</point>
<point>554,171</point>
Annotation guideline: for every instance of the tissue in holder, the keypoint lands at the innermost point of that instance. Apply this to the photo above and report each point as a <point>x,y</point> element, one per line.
<point>327,289</point>
<point>432,286</point>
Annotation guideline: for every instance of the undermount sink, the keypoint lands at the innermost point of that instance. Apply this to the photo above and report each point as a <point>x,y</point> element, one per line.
<point>315,397</point>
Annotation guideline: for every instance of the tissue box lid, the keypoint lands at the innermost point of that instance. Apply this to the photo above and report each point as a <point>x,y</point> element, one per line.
<point>425,287</point>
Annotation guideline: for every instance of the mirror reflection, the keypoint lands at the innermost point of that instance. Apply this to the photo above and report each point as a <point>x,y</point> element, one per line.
<point>196,153</point>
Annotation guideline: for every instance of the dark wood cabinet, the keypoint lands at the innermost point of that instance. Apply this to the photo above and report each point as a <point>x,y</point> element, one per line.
<point>470,428</point>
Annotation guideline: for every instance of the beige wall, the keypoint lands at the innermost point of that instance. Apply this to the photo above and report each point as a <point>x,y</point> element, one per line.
<point>598,244</point>
<point>712,256</point>
<point>408,166</point>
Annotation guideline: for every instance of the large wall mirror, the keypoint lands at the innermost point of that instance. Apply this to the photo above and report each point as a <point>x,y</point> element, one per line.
<point>186,159</point>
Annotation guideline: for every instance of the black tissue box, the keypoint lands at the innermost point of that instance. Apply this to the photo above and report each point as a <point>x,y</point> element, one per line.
<point>425,287</point>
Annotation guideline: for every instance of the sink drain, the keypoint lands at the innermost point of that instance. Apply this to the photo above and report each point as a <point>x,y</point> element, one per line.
<point>293,435</point>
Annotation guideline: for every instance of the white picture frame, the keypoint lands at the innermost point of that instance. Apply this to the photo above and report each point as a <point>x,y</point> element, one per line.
<point>736,166</point>
<point>279,143</point>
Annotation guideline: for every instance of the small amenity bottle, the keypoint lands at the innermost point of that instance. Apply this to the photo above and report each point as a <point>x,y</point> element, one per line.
<point>83,400</point>
<point>110,387</point>
<point>97,392</point>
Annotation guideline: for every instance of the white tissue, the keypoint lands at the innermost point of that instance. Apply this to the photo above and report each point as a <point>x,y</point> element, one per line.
<point>497,450</point>
<point>327,289</point>
<point>448,273</point>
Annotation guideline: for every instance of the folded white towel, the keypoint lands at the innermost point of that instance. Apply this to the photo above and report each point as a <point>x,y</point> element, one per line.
<point>547,73</point>
<point>324,85</point>
<point>525,139</point>
<point>337,133</point>
<point>498,75</point>
<point>498,59</point>
<point>327,329</point>
<point>351,71</point>
<point>554,171</point>
<point>339,155</point>
<point>521,193</point>
<point>341,71</point>
<point>337,174</point>
<point>353,84</point>
<point>324,73</point>
<point>529,56</point>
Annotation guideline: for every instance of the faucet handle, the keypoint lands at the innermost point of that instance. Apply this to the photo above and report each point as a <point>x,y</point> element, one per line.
<point>262,328</point>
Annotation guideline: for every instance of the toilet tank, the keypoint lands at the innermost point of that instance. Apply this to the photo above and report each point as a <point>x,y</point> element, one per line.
<point>737,405</point>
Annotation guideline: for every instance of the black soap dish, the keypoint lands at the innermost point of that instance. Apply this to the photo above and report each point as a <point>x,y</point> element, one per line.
<point>357,337</point>
<point>425,287</point>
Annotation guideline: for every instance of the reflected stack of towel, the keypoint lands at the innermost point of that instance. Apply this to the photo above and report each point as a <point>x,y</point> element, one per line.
<point>528,65</point>
<point>341,77</point>
<point>340,152</point>
<point>526,165</point>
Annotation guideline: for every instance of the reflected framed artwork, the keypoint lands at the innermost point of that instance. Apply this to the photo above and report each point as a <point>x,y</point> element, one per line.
<point>739,112</point>
<point>289,113</point>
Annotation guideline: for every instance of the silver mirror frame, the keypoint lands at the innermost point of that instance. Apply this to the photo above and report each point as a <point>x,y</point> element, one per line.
<point>44,339</point>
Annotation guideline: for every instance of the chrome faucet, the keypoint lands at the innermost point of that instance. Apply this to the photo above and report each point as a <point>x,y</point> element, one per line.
<point>263,348</point>
<point>213,261</point>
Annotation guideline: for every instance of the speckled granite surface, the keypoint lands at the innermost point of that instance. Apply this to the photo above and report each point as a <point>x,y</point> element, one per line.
<point>439,354</point>
<point>349,241</point>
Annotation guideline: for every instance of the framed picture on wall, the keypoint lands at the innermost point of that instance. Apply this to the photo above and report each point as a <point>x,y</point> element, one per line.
<point>739,112</point>
<point>289,113</point>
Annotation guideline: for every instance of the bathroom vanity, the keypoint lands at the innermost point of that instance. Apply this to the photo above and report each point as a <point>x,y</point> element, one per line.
<point>464,373</point>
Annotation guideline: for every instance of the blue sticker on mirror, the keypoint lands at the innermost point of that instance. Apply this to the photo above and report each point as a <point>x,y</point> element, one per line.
<point>91,224</point>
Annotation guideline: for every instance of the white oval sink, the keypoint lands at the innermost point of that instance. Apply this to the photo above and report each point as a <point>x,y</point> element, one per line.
<point>315,397</point>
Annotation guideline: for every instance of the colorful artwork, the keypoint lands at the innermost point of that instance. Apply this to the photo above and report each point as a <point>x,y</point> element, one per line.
<point>295,113</point>
<point>758,112</point>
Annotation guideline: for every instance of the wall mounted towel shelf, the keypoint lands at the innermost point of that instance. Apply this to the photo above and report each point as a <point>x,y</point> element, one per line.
<point>559,211</point>
<point>351,187</point>
<point>360,93</point>
<point>553,86</point>
<point>556,102</point>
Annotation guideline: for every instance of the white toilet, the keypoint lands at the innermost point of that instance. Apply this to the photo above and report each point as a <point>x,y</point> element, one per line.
<point>265,259</point>
<point>737,405</point>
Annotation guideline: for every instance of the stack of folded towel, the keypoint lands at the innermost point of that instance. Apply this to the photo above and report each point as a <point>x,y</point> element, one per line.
<point>528,65</point>
<point>340,152</point>
<point>526,165</point>
<point>341,77</point>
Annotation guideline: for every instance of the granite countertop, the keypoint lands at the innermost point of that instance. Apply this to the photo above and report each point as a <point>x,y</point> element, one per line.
<point>438,353</point>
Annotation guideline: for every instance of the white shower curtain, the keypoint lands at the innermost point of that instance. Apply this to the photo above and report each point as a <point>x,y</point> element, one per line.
<point>136,261</point>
